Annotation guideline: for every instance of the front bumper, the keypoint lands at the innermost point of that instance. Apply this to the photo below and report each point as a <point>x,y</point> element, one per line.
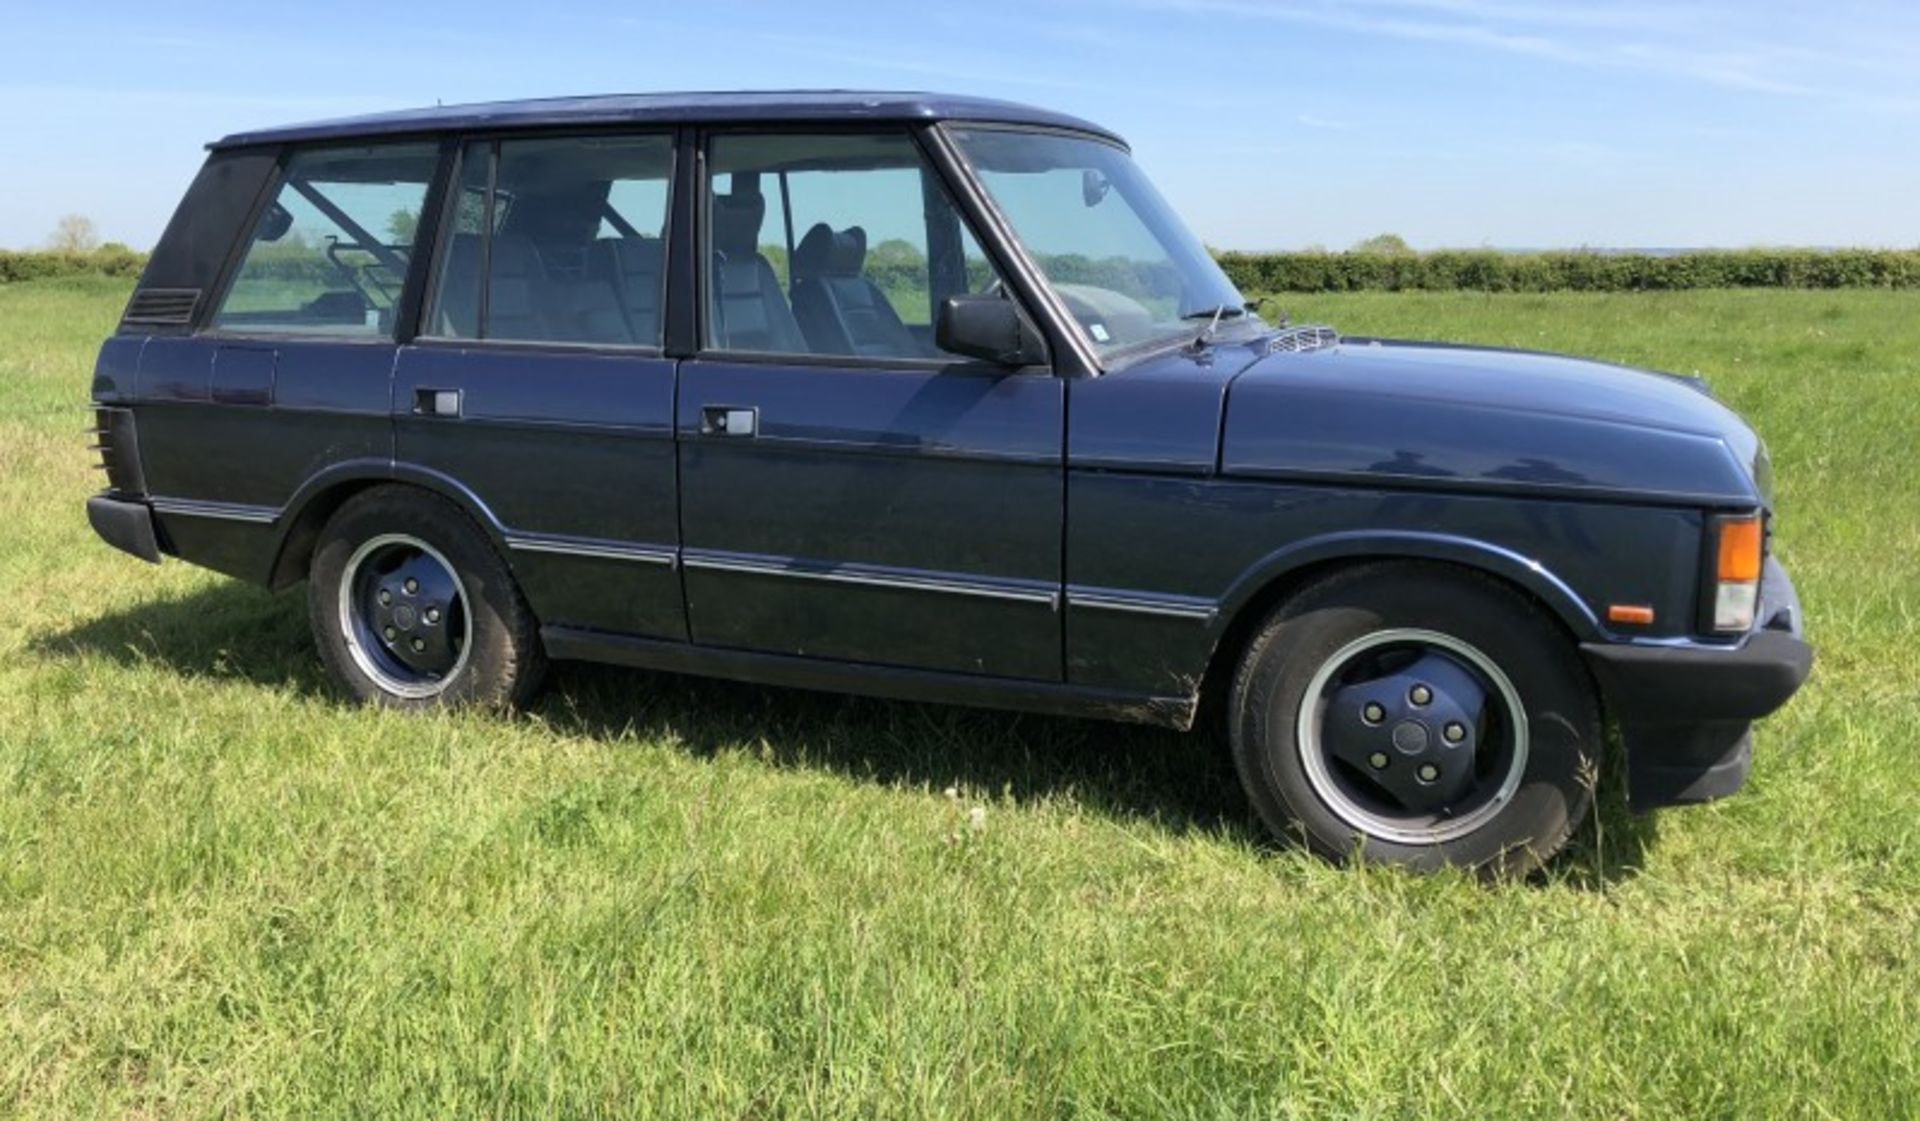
<point>126,525</point>
<point>1686,711</point>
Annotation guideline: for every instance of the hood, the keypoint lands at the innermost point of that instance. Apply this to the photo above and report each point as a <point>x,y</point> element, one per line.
<point>1477,418</point>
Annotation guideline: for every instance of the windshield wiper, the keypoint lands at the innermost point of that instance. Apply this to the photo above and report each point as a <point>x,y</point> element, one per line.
<point>1213,316</point>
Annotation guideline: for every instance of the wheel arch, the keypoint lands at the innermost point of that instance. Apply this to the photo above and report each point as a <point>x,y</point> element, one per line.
<point>1282,574</point>
<point>325,492</point>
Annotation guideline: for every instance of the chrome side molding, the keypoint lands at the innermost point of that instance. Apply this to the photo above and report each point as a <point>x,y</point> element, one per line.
<point>595,548</point>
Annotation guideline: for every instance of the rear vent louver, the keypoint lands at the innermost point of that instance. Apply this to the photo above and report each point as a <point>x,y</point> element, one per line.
<point>162,307</point>
<point>117,447</point>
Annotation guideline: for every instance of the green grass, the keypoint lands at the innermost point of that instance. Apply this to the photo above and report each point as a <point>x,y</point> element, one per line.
<point>222,892</point>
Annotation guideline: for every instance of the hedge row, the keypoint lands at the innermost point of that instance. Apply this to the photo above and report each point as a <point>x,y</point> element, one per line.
<point>1487,270</point>
<point>108,260</point>
<point>1483,270</point>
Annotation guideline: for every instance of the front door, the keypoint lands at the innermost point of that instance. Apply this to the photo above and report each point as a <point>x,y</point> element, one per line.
<point>847,490</point>
<point>538,382</point>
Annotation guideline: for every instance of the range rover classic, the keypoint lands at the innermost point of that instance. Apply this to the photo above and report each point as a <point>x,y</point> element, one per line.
<point>931,397</point>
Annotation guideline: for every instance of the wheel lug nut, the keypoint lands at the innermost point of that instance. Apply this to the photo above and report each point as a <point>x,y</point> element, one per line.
<point>1420,695</point>
<point>1373,713</point>
<point>433,614</point>
<point>419,646</point>
<point>1454,731</point>
<point>412,585</point>
<point>1428,772</point>
<point>391,634</point>
<point>1378,760</point>
<point>386,597</point>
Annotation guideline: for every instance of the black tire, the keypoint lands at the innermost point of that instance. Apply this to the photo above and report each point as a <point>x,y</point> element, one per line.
<point>1509,647</point>
<point>491,637</point>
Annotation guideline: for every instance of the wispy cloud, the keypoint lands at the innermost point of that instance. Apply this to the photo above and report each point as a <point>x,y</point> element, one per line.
<point>1735,46</point>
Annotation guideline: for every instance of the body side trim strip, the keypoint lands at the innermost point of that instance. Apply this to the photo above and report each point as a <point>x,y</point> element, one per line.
<point>221,511</point>
<point>1143,603</point>
<point>597,548</point>
<point>904,450</point>
<point>871,576</point>
<point>660,431</point>
<point>1377,481</point>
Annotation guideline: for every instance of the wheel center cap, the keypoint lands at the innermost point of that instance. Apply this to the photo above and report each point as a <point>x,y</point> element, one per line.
<point>1410,737</point>
<point>403,618</point>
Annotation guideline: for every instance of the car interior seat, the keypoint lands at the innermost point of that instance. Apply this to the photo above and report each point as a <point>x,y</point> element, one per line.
<point>749,310</point>
<point>839,309</point>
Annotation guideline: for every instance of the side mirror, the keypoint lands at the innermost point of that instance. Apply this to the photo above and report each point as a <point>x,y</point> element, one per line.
<point>1094,187</point>
<point>989,328</point>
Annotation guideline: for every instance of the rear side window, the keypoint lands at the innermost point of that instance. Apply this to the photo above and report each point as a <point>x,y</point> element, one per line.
<point>557,240</point>
<point>330,254</point>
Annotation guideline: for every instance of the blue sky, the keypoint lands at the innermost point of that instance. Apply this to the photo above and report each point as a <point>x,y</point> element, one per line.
<point>1269,123</point>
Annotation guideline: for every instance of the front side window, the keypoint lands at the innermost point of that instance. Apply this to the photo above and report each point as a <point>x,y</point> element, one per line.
<point>568,234</point>
<point>834,244</point>
<point>1116,254</point>
<point>331,253</point>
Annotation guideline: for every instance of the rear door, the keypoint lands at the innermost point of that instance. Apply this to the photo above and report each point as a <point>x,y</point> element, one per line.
<point>538,384</point>
<point>848,491</point>
<point>289,373</point>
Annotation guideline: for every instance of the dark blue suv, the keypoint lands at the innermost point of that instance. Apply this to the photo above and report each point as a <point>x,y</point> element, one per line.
<point>930,397</point>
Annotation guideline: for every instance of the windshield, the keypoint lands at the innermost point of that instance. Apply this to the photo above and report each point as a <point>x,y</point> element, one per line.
<point>1114,251</point>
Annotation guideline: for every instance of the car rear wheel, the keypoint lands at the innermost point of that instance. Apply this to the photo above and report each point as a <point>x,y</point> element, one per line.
<point>1417,714</point>
<point>412,607</point>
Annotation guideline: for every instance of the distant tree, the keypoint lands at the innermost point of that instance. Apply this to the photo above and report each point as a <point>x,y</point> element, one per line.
<point>897,253</point>
<point>1392,245</point>
<point>402,224</point>
<point>74,234</point>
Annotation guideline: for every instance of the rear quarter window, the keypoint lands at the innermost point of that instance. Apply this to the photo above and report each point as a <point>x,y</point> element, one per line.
<point>330,254</point>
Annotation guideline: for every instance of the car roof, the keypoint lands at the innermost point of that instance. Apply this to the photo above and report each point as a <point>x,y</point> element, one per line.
<point>784,106</point>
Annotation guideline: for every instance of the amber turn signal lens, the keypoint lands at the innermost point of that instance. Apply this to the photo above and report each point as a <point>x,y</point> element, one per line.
<point>1634,613</point>
<point>1739,550</point>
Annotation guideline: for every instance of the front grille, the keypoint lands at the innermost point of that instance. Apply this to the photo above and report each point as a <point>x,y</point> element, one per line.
<point>1293,340</point>
<point>161,307</point>
<point>116,448</point>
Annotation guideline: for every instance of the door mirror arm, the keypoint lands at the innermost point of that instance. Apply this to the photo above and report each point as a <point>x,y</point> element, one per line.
<point>989,328</point>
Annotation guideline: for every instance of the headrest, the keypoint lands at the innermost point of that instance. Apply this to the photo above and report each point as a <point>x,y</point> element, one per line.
<point>826,253</point>
<point>736,223</point>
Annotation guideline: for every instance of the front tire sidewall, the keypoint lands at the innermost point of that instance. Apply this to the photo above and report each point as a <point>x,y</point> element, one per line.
<point>1564,728</point>
<point>503,658</point>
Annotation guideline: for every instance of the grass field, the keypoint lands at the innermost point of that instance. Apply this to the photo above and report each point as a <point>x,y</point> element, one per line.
<point>222,892</point>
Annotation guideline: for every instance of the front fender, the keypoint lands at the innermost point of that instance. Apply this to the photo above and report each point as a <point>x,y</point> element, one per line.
<point>1525,572</point>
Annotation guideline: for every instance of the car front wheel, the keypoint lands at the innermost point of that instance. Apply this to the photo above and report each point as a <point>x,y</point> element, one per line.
<point>1417,714</point>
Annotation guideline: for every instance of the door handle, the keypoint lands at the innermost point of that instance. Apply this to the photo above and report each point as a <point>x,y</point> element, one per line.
<point>727,420</point>
<point>436,402</point>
